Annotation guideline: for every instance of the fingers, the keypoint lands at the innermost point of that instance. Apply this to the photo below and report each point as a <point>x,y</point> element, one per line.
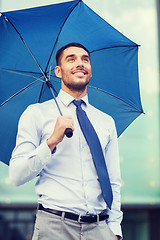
<point>69,122</point>
<point>58,134</point>
<point>64,122</point>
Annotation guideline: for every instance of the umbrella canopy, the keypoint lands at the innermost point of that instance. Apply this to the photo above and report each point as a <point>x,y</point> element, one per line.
<point>29,40</point>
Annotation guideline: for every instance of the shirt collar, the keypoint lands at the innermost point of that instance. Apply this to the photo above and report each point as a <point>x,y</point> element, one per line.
<point>67,99</point>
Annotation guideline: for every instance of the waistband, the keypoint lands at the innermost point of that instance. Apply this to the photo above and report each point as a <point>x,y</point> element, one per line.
<point>88,218</point>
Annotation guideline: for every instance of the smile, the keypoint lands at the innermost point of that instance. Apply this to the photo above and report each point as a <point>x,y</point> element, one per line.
<point>79,71</point>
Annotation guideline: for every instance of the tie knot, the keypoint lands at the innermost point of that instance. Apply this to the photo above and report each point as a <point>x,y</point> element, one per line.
<point>77,102</point>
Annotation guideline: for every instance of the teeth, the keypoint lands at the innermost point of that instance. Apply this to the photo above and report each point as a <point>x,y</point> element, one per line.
<point>79,73</point>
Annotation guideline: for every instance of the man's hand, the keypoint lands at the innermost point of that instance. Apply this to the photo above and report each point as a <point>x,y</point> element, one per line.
<point>58,134</point>
<point>117,237</point>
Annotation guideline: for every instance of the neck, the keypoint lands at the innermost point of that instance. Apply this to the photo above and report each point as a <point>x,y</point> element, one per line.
<point>74,93</point>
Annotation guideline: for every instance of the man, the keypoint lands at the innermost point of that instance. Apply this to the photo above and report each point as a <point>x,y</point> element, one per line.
<point>68,188</point>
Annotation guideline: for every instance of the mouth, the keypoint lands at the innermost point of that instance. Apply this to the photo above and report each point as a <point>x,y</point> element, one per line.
<point>80,72</point>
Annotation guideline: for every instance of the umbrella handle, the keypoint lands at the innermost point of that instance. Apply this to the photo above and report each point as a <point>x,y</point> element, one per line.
<point>68,132</point>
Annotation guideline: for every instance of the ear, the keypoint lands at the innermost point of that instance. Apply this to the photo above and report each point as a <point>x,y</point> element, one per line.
<point>58,72</point>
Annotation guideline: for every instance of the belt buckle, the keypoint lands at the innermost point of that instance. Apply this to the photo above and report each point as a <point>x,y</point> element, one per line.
<point>89,215</point>
<point>79,218</point>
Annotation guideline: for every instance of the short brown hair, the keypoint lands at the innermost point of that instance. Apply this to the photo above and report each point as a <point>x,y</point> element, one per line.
<point>74,44</point>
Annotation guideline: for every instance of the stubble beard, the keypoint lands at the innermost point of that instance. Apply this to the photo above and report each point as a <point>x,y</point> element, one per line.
<point>76,87</point>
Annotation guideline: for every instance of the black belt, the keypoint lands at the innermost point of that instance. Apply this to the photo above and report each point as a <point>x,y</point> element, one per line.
<point>90,218</point>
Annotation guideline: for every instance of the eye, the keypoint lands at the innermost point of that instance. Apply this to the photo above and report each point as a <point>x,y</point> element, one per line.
<point>86,60</point>
<point>70,59</point>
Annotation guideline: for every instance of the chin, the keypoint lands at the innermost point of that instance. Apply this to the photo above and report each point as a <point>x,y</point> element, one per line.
<point>78,87</point>
<point>78,84</point>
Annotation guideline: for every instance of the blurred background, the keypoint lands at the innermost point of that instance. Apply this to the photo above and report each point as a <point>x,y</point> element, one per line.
<point>138,145</point>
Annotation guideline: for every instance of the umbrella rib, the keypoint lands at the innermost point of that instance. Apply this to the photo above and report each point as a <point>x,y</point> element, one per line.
<point>26,46</point>
<point>54,47</point>
<point>19,92</point>
<point>22,73</point>
<point>100,49</point>
<point>116,97</point>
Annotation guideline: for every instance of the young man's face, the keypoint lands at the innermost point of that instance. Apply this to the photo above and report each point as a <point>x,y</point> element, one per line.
<point>74,69</point>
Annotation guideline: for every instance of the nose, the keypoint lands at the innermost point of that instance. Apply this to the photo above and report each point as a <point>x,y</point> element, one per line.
<point>79,62</point>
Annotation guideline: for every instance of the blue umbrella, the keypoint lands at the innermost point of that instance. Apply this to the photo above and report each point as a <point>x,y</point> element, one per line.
<point>29,40</point>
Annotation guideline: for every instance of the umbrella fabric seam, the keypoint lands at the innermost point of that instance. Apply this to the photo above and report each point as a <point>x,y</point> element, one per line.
<point>18,71</point>
<point>114,47</point>
<point>115,97</point>
<point>19,92</point>
<point>54,47</point>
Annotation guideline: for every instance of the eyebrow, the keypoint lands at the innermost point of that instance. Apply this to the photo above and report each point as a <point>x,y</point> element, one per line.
<point>72,55</point>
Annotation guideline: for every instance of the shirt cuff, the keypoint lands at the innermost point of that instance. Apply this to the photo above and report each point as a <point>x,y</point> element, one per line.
<point>44,152</point>
<point>116,229</point>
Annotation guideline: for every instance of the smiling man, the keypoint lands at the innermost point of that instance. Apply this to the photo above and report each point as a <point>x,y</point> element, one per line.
<point>72,201</point>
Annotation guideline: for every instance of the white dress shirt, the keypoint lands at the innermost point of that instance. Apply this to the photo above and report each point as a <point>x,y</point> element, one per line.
<point>67,177</point>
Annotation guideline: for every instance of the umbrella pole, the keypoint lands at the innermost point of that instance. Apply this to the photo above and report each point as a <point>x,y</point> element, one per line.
<point>68,131</point>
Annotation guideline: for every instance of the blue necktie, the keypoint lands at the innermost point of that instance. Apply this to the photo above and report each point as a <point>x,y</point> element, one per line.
<point>96,151</point>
